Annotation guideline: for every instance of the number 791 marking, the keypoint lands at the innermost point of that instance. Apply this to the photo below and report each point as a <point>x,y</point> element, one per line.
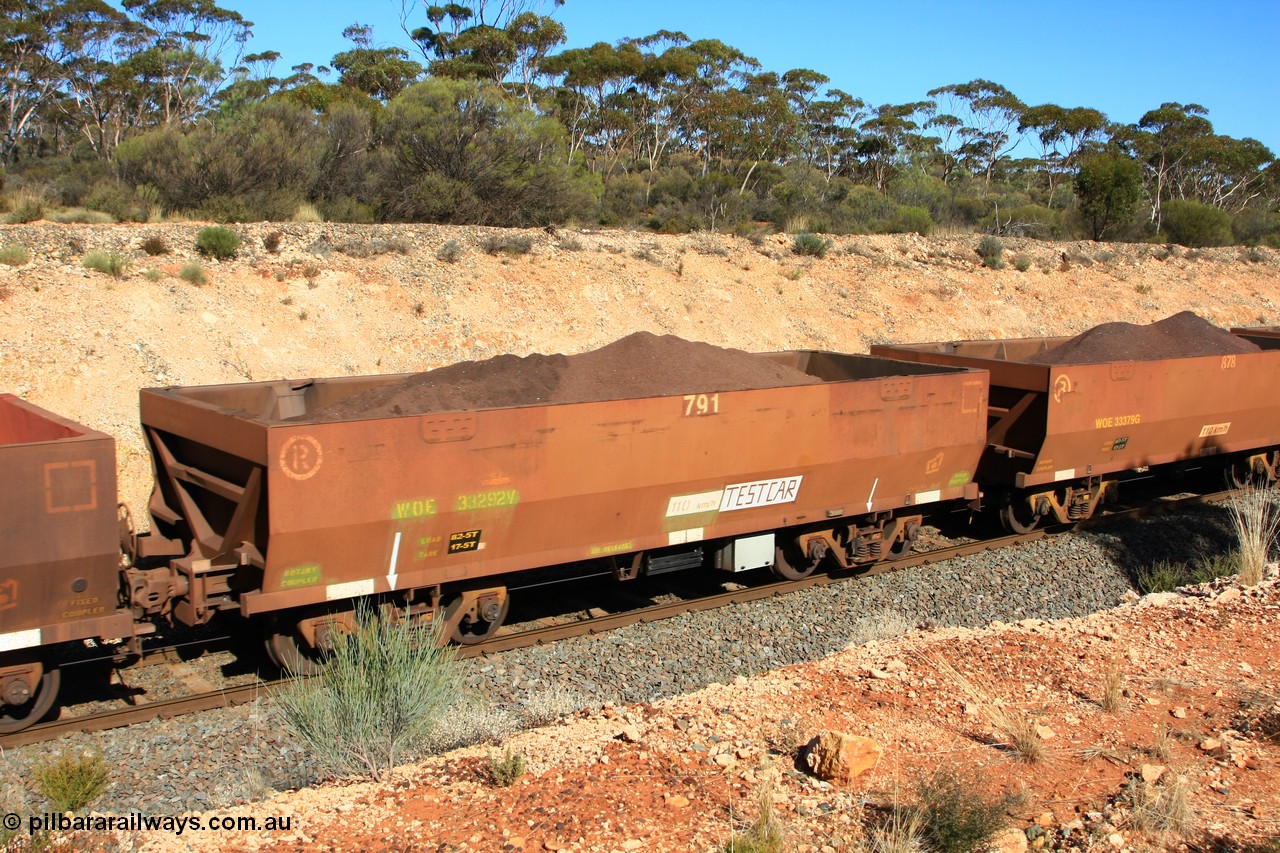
<point>701,404</point>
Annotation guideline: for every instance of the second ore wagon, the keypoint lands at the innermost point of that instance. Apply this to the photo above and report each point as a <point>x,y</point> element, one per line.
<point>294,499</point>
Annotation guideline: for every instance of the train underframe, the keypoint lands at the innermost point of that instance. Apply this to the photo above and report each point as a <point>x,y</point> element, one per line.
<point>298,640</point>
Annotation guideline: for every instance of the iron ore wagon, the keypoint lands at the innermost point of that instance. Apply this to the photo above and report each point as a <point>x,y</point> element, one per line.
<point>269,505</point>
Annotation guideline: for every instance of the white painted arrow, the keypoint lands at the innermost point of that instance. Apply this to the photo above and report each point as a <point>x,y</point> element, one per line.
<point>870,498</point>
<point>395,553</point>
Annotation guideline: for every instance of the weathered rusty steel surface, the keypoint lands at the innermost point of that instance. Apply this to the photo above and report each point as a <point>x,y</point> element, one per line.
<point>59,543</point>
<point>1266,337</point>
<point>355,507</point>
<point>1052,423</point>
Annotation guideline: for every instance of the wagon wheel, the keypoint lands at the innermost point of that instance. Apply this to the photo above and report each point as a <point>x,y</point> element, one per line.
<point>903,546</point>
<point>15,718</point>
<point>470,631</point>
<point>792,564</point>
<point>1241,474</point>
<point>289,651</point>
<point>1017,517</point>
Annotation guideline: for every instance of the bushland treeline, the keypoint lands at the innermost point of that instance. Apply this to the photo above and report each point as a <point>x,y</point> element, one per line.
<point>157,109</point>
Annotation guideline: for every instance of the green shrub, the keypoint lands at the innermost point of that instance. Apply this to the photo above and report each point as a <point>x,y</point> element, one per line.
<point>1190,223</point>
<point>1167,575</point>
<point>153,275</point>
<point>910,220</point>
<point>1021,262</point>
<point>155,245</point>
<point>991,250</point>
<point>388,684</point>
<point>110,197</point>
<point>218,242</point>
<point>110,263</point>
<point>193,273</point>
<point>26,211</point>
<point>72,781</point>
<point>451,252</point>
<point>1254,227</point>
<point>14,255</point>
<point>1162,576</point>
<point>810,244</point>
<point>507,244</point>
<point>504,771</point>
<point>955,816</point>
<point>79,215</point>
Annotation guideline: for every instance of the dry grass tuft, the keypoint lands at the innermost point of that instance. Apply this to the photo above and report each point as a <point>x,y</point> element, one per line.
<point>766,835</point>
<point>1162,747</point>
<point>901,833</point>
<point>1018,728</point>
<point>1255,515</point>
<point>1164,806</point>
<point>1112,690</point>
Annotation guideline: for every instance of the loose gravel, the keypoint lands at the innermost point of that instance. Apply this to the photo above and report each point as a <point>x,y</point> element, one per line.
<point>216,759</point>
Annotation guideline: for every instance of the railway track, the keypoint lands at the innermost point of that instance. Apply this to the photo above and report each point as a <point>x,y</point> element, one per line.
<point>594,624</point>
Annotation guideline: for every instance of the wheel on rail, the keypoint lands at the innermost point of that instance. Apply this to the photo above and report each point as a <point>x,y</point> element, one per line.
<point>790,563</point>
<point>903,545</point>
<point>471,630</point>
<point>1017,517</point>
<point>23,706</point>
<point>289,651</point>
<point>1241,474</point>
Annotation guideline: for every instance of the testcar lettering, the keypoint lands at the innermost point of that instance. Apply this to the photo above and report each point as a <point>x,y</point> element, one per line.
<point>782,490</point>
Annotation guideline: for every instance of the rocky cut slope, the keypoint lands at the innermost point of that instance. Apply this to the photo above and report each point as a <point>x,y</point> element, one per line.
<point>334,300</point>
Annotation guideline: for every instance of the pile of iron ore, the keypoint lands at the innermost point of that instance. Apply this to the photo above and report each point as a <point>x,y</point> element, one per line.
<point>639,365</point>
<point>1183,335</point>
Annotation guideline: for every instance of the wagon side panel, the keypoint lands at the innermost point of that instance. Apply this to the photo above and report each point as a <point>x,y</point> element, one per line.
<point>59,564</point>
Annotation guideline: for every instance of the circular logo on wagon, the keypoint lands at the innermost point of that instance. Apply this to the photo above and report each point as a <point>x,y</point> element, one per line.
<point>1061,385</point>
<point>300,457</point>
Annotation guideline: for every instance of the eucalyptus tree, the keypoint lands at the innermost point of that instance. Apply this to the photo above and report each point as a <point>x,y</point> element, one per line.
<point>888,139</point>
<point>990,113</point>
<point>1161,140</point>
<point>102,95</point>
<point>42,45</point>
<point>181,66</point>
<point>832,132</point>
<point>497,41</point>
<point>592,99</point>
<point>1062,134</point>
<point>707,118</point>
<point>379,72</point>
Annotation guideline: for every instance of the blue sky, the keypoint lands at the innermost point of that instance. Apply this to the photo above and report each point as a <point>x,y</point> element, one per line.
<point>1123,57</point>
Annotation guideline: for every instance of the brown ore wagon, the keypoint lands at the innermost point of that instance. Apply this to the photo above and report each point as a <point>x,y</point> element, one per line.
<point>60,560</point>
<point>1061,435</point>
<point>266,506</point>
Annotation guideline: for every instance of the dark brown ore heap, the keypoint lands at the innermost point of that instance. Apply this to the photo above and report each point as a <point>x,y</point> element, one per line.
<point>639,365</point>
<point>1181,336</point>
